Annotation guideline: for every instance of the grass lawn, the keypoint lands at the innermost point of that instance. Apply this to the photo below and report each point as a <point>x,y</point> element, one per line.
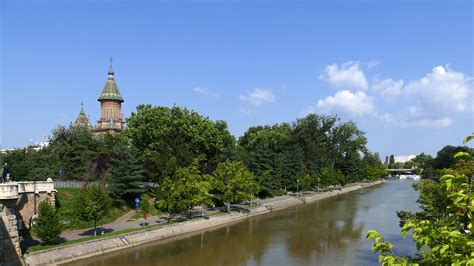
<point>114,233</point>
<point>66,200</point>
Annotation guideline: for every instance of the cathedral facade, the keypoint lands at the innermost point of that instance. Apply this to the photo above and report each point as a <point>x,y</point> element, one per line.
<point>111,117</point>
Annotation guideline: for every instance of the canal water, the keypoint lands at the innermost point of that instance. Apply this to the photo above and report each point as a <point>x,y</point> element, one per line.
<point>328,232</point>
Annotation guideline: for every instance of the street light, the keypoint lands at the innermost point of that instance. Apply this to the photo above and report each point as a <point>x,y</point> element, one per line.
<point>297,190</point>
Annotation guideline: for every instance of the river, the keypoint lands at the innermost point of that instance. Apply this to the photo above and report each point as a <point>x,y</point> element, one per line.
<point>328,232</point>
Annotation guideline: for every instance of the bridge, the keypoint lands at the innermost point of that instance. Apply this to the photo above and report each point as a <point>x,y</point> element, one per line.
<point>402,171</point>
<point>18,203</point>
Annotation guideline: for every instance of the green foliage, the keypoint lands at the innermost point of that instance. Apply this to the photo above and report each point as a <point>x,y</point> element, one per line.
<point>442,231</point>
<point>187,189</point>
<point>306,182</point>
<point>232,182</point>
<point>445,157</point>
<point>93,204</point>
<point>372,167</point>
<point>66,203</point>
<point>125,182</point>
<point>145,206</point>
<point>72,150</point>
<point>172,138</point>
<point>48,223</point>
<point>278,154</point>
<point>330,177</point>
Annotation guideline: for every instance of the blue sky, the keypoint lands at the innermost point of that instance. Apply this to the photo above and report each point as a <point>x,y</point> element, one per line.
<point>401,69</point>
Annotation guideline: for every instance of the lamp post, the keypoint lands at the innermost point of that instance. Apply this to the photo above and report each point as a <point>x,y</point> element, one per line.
<point>297,190</point>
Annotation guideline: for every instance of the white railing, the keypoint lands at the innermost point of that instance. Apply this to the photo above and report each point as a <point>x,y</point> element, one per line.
<point>8,191</point>
<point>11,190</point>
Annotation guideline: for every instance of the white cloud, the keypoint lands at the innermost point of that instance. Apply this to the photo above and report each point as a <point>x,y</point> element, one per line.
<point>354,104</point>
<point>258,97</point>
<point>424,122</point>
<point>373,63</point>
<point>205,91</point>
<point>443,89</point>
<point>389,88</point>
<point>245,111</point>
<point>348,76</point>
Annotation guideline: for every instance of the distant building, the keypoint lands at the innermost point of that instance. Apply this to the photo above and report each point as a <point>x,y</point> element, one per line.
<point>403,158</point>
<point>111,117</point>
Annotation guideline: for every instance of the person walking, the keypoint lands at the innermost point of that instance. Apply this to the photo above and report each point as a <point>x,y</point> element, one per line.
<point>4,172</point>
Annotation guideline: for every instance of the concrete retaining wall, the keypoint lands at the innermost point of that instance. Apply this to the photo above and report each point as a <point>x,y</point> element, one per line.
<point>108,244</point>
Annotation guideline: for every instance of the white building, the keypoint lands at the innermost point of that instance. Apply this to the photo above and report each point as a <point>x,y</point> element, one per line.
<point>403,158</point>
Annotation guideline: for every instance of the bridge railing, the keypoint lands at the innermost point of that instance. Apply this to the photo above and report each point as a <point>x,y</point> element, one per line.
<point>80,184</point>
<point>8,191</point>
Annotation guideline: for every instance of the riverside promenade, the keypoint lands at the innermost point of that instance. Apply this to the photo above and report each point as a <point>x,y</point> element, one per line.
<point>177,230</point>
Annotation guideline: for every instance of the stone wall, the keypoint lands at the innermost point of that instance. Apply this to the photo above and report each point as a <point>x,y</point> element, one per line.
<point>26,205</point>
<point>10,252</point>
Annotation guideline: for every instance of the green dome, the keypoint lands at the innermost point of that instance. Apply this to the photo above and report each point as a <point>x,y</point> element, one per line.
<point>110,91</point>
<point>82,120</point>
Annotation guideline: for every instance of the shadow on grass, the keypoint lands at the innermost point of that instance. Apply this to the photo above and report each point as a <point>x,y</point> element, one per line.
<point>100,231</point>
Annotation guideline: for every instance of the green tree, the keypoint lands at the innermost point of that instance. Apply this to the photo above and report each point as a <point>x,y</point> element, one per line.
<point>330,177</point>
<point>47,226</point>
<point>232,182</point>
<point>306,182</point>
<point>186,190</point>
<point>93,204</point>
<point>424,165</point>
<point>125,182</point>
<point>73,150</point>
<point>445,157</point>
<point>171,138</point>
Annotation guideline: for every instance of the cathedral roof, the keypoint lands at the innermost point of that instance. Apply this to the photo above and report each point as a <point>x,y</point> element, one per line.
<point>110,91</point>
<point>82,120</point>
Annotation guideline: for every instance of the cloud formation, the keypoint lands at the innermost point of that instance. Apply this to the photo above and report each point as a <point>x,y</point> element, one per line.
<point>443,89</point>
<point>348,76</point>
<point>389,119</point>
<point>258,97</point>
<point>431,101</point>
<point>389,88</point>
<point>346,102</point>
<point>205,91</point>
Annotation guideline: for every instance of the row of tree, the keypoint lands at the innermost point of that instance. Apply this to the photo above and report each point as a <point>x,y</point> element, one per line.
<point>162,144</point>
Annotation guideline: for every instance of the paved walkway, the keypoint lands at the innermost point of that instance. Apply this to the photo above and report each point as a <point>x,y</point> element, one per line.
<point>75,234</point>
<point>121,222</point>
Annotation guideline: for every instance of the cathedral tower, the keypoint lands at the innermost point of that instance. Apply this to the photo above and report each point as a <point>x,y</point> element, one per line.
<point>111,117</point>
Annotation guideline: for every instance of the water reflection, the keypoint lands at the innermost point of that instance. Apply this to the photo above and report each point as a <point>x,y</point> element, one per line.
<point>328,232</point>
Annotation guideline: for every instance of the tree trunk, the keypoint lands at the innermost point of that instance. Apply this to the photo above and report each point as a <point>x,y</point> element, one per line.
<point>95,227</point>
<point>228,206</point>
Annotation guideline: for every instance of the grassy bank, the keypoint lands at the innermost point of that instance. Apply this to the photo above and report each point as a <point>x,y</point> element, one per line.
<point>66,200</point>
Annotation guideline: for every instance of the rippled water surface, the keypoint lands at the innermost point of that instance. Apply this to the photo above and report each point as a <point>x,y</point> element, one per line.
<point>328,232</point>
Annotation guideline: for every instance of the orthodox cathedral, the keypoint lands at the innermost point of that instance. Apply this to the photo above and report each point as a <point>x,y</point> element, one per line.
<point>111,117</point>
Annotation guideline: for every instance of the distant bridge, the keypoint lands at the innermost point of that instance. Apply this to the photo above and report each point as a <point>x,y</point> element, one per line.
<point>400,171</point>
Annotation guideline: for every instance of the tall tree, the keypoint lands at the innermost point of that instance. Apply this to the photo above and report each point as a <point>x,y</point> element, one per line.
<point>47,226</point>
<point>93,204</point>
<point>232,182</point>
<point>126,178</point>
<point>186,190</point>
<point>170,138</point>
<point>445,157</point>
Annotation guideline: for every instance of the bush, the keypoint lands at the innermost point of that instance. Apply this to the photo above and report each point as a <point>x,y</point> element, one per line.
<point>48,224</point>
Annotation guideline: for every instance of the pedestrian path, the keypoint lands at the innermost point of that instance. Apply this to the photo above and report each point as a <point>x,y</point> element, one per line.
<point>118,224</point>
<point>122,222</point>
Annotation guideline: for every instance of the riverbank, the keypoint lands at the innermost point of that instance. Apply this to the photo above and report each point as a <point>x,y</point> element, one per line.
<point>108,244</point>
